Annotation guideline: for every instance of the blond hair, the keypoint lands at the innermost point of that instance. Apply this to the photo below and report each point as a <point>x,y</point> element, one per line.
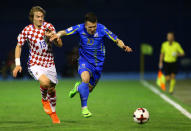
<point>35,9</point>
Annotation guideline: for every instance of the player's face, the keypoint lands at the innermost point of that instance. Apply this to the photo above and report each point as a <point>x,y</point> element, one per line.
<point>38,18</point>
<point>91,27</point>
<point>170,37</point>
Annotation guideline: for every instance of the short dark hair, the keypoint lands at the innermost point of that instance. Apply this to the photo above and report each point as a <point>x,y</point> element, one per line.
<point>35,9</point>
<point>90,16</point>
<point>171,33</point>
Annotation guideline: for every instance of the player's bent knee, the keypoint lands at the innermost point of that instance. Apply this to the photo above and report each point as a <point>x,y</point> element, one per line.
<point>45,83</point>
<point>85,76</point>
<point>85,80</point>
<point>172,77</point>
<point>167,78</point>
<point>51,90</point>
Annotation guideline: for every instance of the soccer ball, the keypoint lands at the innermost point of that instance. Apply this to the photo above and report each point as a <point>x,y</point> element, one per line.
<point>141,115</point>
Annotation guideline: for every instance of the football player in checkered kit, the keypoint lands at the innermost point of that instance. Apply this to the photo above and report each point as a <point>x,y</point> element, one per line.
<point>41,64</point>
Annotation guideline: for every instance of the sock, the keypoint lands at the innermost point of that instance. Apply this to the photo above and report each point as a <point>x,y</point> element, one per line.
<point>52,100</point>
<point>43,92</point>
<point>172,84</point>
<point>83,89</point>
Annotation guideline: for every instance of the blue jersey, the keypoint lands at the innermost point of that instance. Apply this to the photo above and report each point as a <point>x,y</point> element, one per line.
<point>92,47</point>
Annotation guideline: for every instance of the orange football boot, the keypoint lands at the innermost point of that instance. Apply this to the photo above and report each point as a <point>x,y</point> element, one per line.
<point>54,118</point>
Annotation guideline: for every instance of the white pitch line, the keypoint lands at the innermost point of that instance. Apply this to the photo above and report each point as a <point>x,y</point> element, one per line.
<point>167,99</point>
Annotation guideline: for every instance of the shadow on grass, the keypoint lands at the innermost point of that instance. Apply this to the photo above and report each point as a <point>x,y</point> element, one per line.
<point>20,125</point>
<point>23,125</point>
<point>16,122</point>
<point>69,121</point>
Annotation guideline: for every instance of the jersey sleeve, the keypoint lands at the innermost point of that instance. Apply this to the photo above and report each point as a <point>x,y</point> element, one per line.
<point>50,27</point>
<point>109,34</point>
<point>179,49</point>
<point>22,37</point>
<point>72,30</point>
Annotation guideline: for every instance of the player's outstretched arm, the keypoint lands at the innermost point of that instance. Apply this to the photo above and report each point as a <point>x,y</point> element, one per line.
<point>57,42</point>
<point>18,67</point>
<point>123,46</point>
<point>58,35</point>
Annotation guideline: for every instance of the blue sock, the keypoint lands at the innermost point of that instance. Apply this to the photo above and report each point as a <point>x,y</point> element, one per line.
<point>83,89</point>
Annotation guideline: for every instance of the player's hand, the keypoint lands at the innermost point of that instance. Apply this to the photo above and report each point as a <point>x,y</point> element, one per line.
<point>127,49</point>
<point>49,33</point>
<point>160,65</point>
<point>54,37</point>
<point>16,70</point>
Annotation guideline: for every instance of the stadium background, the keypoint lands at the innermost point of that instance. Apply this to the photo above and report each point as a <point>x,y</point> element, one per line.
<point>119,91</point>
<point>134,22</point>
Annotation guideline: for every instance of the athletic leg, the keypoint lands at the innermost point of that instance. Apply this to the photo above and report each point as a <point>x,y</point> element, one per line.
<point>52,97</point>
<point>83,89</point>
<point>49,104</point>
<point>52,100</point>
<point>172,83</point>
<point>44,85</point>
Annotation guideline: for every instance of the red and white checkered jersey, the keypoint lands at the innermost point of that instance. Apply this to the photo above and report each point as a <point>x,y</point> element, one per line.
<point>40,49</point>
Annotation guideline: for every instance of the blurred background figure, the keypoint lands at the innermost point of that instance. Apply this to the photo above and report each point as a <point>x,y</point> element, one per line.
<point>8,65</point>
<point>170,51</point>
<point>70,69</point>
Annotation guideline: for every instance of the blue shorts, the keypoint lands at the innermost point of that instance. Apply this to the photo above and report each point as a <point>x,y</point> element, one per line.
<point>95,74</point>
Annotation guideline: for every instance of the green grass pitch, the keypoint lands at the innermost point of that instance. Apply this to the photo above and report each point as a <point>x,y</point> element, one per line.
<point>112,104</point>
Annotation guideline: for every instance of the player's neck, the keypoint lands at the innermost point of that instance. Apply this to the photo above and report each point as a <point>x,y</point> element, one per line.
<point>37,27</point>
<point>170,42</point>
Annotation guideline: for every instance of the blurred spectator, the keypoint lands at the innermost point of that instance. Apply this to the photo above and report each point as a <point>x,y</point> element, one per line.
<point>8,64</point>
<point>71,67</point>
<point>186,64</point>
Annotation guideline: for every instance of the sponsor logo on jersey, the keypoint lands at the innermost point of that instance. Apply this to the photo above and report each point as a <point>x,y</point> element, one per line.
<point>110,32</point>
<point>69,29</point>
<point>83,65</point>
<point>96,34</point>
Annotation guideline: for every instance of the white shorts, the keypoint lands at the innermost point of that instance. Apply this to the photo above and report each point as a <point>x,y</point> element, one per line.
<point>36,71</point>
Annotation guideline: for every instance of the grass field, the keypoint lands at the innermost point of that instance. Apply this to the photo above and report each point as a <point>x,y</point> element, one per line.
<point>112,104</point>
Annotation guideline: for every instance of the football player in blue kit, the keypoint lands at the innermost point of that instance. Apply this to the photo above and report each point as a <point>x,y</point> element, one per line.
<point>91,55</point>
